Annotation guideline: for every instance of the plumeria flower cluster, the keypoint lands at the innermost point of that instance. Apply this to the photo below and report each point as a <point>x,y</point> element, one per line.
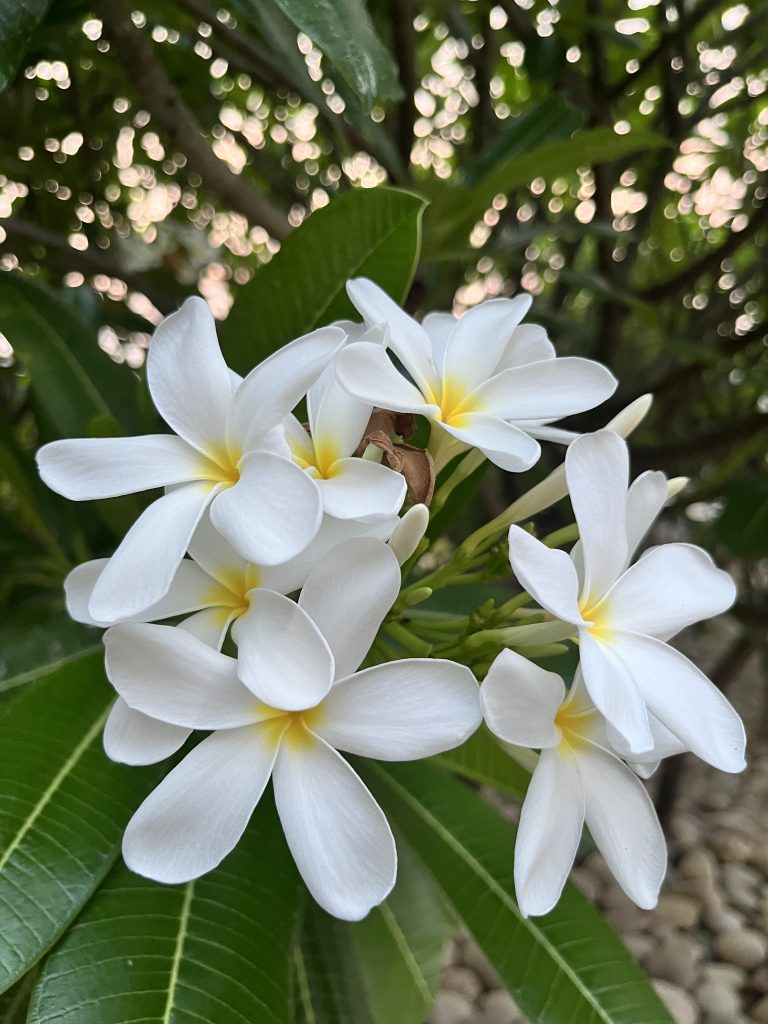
<point>251,608</point>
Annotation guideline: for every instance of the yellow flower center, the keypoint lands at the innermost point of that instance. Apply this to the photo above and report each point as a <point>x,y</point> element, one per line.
<point>318,459</point>
<point>221,463</point>
<point>230,593</point>
<point>453,402</point>
<point>292,727</point>
<point>574,719</point>
<point>596,612</point>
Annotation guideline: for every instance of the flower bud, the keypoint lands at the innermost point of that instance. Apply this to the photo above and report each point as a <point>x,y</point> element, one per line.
<point>408,532</point>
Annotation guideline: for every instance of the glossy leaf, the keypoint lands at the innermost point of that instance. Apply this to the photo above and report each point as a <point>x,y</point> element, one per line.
<point>214,951</point>
<point>343,30</point>
<point>373,233</point>
<point>63,807</point>
<point>36,645</point>
<point>18,20</point>
<point>482,760</point>
<point>75,381</point>
<point>567,966</point>
<point>399,946</point>
<point>451,219</point>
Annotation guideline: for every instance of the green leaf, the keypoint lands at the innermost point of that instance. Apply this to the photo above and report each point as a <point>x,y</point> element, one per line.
<point>482,760</point>
<point>36,642</point>
<point>343,30</point>
<point>370,232</point>
<point>214,951</point>
<point>452,216</point>
<point>399,946</point>
<point>18,20</point>
<point>567,966</point>
<point>74,381</point>
<point>63,808</point>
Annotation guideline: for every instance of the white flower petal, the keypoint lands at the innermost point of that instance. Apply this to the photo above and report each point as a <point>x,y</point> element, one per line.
<point>87,468</point>
<point>300,446</point>
<point>142,569</point>
<point>407,339</point>
<point>597,469</point>
<point>623,823</point>
<point>366,372</point>
<point>479,340</point>
<point>504,444</point>
<point>336,831</point>
<point>645,499</point>
<point>520,701</point>
<point>189,381</point>
<point>276,386</point>
<point>209,625</point>
<point>348,594</point>
<point>671,587</point>
<point>439,327</point>
<point>529,344</point>
<point>548,835</point>
<point>543,432</point>
<point>544,391</point>
<point>337,420</point>
<point>665,744</point>
<point>169,674</point>
<point>199,811</point>
<point>548,574</point>
<point>402,711</point>
<point>614,690</point>
<point>358,488</point>
<point>282,656</point>
<point>684,700</point>
<point>78,587</point>
<point>215,554</point>
<point>131,737</point>
<point>272,512</point>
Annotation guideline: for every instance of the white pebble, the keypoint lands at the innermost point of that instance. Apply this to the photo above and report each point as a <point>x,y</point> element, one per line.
<point>681,1007</point>
<point>463,980</point>
<point>500,1008</point>
<point>451,1008</point>
<point>744,947</point>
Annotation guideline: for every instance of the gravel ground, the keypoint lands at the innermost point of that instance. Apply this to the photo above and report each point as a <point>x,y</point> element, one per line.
<point>705,946</point>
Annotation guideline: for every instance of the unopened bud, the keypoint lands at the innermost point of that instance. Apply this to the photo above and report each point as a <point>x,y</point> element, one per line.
<point>675,485</point>
<point>408,532</point>
<point>631,417</point>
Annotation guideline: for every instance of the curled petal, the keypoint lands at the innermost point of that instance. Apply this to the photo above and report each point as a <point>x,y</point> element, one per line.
<point>358,488</point>
<point>546,573</point>
<point>520,701</point>
<point>504,444</point>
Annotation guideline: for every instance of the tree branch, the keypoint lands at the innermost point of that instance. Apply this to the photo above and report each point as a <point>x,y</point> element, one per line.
<point>171,113</point>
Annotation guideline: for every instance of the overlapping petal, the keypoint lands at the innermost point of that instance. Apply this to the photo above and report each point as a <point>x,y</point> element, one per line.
<point>614,691</point>
<point>272,512</point>
<point>337,833</point>
<point>366,372</point>
<point>479,339</point>
<point>546,573</point>
<point>282,656</point>
<point>348,594</point>
<point>645,499</point>
<point>142,569</point>
<point>504,444</point>
<point>529,344</point>
<point>358,489</point>
<point>520,701</point>
<point>132,737</point>
<point>402,710</point>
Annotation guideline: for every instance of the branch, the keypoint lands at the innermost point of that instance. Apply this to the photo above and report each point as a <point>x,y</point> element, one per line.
<point>707,264</point>
<point>171,113</point>
<point>87,262</point>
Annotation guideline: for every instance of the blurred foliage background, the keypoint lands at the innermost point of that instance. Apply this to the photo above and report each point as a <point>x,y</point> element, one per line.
<point>610,158</point>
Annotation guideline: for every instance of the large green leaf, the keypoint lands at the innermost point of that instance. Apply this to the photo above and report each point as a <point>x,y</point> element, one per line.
<point>452,216</point>
<point>482,760</point>
<point>370,232</point>
<point>343,30</point>
<point>399,946</point>
<point>63,807</point>
<point>18,20</point>
<point>567,966</point>
<point>74,381</point>
<point>214,951</point>
<point>35,643</point>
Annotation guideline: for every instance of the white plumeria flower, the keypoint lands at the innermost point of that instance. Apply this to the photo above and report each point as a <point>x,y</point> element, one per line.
<point>228,453</point>
<point>577,778</point>
<point>482,380</point>
<point>337,833</point>
<point>351,488</point>
<point>623,615</point>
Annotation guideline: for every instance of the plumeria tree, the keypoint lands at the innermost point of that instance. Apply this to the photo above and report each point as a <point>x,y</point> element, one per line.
<point>294,588</point>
